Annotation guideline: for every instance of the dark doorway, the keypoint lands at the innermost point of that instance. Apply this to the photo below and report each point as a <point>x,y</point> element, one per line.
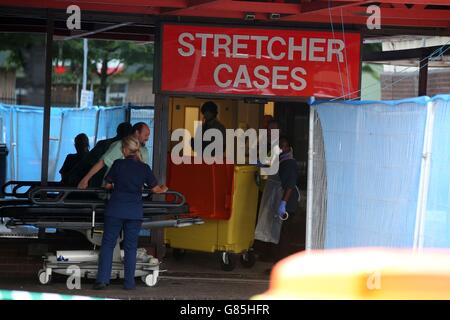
<point>293,118</point>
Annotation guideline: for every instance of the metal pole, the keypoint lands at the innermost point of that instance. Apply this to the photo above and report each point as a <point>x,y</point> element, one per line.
<point>90,33</point>
<point>97,122</point>
<point>160,139</point>
<point>128,112</point>
<point>160,150</point>
<point>77,94</point>
<point>423,77</point>
<point>309,184</point>
<point>47,100</point>
<point>424,181</point>
<point>85,50</point>
<point>160,144</point>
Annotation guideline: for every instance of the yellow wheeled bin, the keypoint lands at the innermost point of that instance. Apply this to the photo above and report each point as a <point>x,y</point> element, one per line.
<point>225,236</point>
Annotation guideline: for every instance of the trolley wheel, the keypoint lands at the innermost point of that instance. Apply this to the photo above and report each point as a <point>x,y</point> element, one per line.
<point>150,279</point>
<point>248,259</point>
<point>43,277</point>
<point>227,261</point>
<point>178,254</point>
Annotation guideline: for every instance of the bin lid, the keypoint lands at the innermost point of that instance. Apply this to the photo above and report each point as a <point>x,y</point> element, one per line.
<point>364,273</point>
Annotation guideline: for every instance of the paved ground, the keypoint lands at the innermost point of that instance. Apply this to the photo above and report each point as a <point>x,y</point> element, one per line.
<point>198,276</point>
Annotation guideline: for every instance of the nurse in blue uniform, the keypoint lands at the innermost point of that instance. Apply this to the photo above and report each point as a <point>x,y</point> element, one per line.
<point>124,211</point>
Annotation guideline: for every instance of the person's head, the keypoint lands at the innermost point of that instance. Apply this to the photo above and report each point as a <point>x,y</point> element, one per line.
<point>131,147</point>
<point>273,124</point>
<point>267,118</point>
<point>123,130</point>
<point>141,131</point>
<point>82,143</point>
<point>285,146</point>
<point>209,110</point>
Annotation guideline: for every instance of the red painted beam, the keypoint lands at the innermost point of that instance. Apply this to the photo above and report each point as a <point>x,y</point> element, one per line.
<point>240,6</point>
<point>195,5</point>
<point>314,11</point>
<point>323,7</point>
<point>388,13</point>
<point>425,2</point>
<point>83,6</point>
<point>208,13</point>
<point>358,20</point>
<point>133,3</point>
<point>327,5</point>
<point>262,7</point>
<point>324,18</point>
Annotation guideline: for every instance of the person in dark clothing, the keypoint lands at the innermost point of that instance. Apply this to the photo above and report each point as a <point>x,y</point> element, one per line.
<point>124,211</point>
<point>123,130</point>
<point>73,159</point>
<point>210,111</point>
<point>78,172</point>
<point>288,172</point>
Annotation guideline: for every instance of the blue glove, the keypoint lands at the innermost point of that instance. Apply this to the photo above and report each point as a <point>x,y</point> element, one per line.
<point>282,209</point>
<point>259,164</point>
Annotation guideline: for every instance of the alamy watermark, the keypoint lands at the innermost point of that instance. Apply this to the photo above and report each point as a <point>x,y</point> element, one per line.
<point>74,279</point>
<point>374,20</point>
<point>374,281</point>
<point>73,22</point>
<point>237,147</point>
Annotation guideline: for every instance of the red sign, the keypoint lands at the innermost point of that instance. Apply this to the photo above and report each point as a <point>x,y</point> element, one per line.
<point>250,61</point>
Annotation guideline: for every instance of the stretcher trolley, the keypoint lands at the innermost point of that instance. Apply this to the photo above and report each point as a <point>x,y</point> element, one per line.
<point>82,211</point>
<point>225,196</point>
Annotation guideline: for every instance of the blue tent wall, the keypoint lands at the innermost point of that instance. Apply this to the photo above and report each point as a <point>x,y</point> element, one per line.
<point>373,153</point>
<point>437,217</point>
<point>22,132</point>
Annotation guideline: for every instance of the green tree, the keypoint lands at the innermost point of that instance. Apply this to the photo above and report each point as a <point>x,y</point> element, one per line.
<point>27,53</point>
<point>101,52</point>
<point>367,68</point>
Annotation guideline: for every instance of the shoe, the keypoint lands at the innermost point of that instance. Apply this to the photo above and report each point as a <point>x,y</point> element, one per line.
<point>99,286</point>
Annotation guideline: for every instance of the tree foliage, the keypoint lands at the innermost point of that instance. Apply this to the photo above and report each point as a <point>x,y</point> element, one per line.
<point>136,58</point>
<point>133,56</point>
<point>367,68</point>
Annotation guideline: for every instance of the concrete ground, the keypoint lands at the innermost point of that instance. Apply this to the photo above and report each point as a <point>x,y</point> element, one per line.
<point>197,276</point>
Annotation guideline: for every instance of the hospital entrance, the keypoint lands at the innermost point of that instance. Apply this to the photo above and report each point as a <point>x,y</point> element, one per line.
<point>228,196</point>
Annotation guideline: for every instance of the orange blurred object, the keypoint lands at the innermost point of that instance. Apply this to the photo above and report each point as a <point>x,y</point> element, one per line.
<point>363,273</point>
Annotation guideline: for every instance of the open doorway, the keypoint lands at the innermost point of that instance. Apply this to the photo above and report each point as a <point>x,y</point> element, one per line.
<point>293,119</point>
<point>293,122</point>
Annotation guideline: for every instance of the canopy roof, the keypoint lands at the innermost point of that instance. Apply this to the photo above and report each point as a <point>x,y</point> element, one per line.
<point>405,13</point>
<point>136,19</point>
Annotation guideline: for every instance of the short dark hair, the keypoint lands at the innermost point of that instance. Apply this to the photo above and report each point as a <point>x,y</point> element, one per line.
<point>81,142</point>
<point>124,129</point>
<point>273,121</point>
<point>209,106</point>
<point>138,127</point>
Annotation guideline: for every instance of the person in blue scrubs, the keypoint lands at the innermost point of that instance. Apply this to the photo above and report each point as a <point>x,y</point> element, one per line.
<point>124,210</point>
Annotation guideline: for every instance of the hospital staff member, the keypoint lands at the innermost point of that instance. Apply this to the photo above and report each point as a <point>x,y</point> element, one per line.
<point>124,210</point>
